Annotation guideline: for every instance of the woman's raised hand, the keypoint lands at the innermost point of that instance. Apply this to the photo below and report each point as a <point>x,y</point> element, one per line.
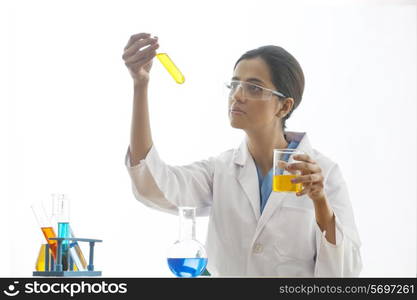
<point>138,55</point>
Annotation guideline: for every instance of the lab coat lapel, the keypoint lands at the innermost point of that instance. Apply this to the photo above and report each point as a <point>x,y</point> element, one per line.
<point>272,206</point>
<point>247,176</point>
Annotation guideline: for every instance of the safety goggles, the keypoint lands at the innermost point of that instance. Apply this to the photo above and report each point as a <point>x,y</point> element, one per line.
<point>251,91</point>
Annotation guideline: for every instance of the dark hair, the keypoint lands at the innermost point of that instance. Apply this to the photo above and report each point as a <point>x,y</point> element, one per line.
<point>286,73</point>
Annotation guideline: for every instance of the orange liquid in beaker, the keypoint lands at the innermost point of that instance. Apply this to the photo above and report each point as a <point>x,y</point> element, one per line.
<point>49,232</point>
<point>282,183</point>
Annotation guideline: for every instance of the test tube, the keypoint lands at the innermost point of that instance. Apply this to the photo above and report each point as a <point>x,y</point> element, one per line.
<point>172,69</point>
<point>44,223</point>
<point>77,255</point>
<point>61,212</point>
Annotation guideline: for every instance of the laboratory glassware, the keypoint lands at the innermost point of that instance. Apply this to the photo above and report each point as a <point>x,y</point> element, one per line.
<point>76,254</point>
<point>187,257</point>
<point>61,214</point>
<point>281,181</point>
<point>45,224</point>
<point>40,260</point>
<point>169,65</point>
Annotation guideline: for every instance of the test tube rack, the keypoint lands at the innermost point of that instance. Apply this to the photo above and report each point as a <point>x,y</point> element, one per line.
<point>55,268</point>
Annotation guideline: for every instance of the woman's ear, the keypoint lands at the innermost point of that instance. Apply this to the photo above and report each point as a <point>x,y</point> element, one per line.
<point>286,107</point>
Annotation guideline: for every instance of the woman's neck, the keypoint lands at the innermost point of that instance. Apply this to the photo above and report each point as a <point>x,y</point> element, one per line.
<point>261,144</point>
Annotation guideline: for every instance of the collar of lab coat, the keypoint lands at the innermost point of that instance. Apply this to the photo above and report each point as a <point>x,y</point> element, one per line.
<point>242,155</point>
<point>247,176</point>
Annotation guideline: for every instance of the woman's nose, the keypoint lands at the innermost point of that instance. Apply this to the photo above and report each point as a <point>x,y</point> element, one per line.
<point>238,94</point>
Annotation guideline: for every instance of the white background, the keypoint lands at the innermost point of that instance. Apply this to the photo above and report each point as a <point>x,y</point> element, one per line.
<point>66,98</point>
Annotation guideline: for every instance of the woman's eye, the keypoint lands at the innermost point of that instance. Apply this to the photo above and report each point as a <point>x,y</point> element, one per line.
<point>254,89</point>
<point>233,85</point>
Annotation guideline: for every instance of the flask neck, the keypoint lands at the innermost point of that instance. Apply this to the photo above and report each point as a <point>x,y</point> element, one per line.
<point>187,223</point>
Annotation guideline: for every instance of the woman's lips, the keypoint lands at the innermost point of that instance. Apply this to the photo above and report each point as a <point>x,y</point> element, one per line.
<point>237,111</point>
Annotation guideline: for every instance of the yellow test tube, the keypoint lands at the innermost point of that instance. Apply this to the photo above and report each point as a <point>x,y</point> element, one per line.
<point>171,67</point>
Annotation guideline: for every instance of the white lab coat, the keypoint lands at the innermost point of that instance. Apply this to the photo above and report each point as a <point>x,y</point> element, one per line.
<point>284,240</point>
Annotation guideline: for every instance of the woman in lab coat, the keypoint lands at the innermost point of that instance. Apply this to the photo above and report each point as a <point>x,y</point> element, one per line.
<point>252,231</point>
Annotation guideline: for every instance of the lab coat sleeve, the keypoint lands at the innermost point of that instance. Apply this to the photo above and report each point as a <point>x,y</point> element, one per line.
<point>342,259</point>
<point>165,187</point>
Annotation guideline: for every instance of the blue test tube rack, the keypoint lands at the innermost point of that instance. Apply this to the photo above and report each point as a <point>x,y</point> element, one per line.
<point>54,268</point>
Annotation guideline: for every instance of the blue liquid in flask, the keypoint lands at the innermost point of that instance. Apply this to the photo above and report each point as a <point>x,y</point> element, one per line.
<point>187,267</point>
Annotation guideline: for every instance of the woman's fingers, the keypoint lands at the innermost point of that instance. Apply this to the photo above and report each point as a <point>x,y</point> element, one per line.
<point>136,37</point>
<point>304,167</point>
<point>142,54</point>
<point>310,178</point>
<point>303,157</point>
<point>304,191</point>
<point>138,45</point>
<point>142,59</point>
<point>282,164</point>
<point>142,62</point>
<point>138,55</point>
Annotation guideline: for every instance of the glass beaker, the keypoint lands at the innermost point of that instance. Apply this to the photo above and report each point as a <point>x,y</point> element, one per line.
<point>281,181</point>
<point>187,257</point>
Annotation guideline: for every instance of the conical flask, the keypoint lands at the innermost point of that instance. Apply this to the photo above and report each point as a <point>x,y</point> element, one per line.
<point>187,257</point>
<point>40,261</point>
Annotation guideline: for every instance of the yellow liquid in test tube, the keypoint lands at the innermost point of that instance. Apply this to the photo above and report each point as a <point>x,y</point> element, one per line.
<point>171,67</point>
<point>282,183</point>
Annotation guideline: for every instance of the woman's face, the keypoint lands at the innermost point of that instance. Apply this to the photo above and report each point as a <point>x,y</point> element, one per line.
<point>254,114</point>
